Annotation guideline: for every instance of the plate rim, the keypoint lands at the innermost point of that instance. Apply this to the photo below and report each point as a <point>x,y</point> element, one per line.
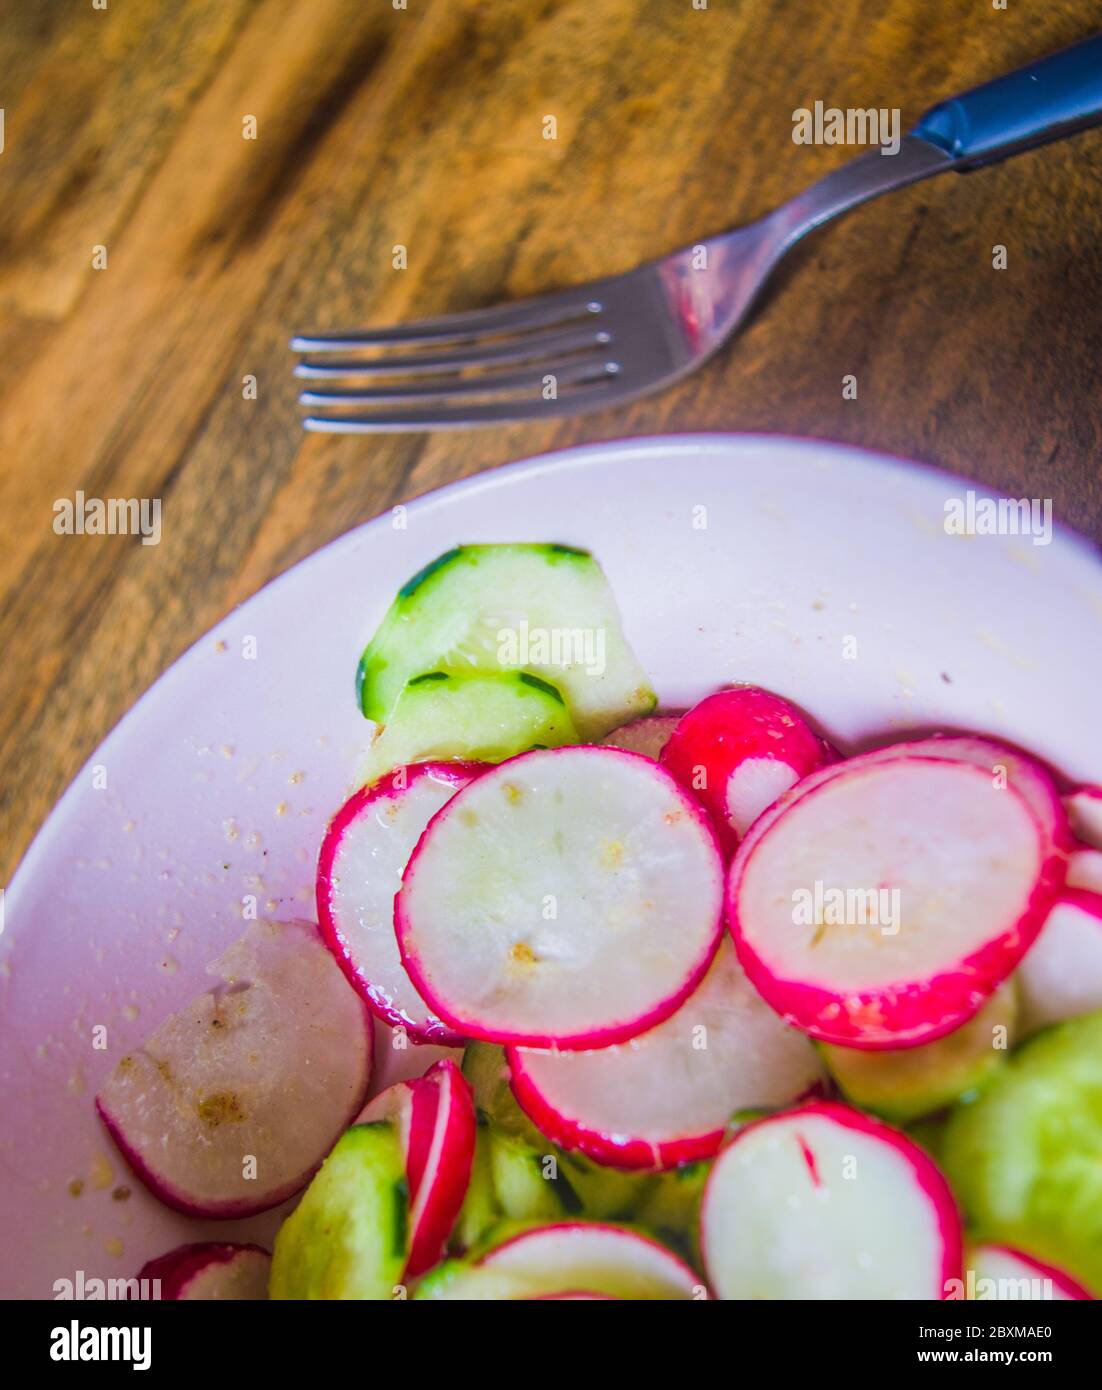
<point>572,456</point>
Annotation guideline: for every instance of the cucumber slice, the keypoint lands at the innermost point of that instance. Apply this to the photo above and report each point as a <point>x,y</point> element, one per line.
<point>606,1194</point>
<point>480,1210</point>
<point>541,1182</point>
<point>459,1280</point>
<point>487,1074</point>
<point>482,719</point>
<point>914,1081</point>
<point>929,1133</point>
<point>515,1148</point>
<point>525,1185</point>
<point>671,1207</point>
<point>546,609</point>
<point>348,1238</point>
<point>581,1185</point>
<point>529,1182</point>
<point>1025,1158</point>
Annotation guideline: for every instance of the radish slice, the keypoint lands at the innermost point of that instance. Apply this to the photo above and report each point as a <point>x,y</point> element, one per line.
<point>575,1295</point>
<point>881,901</point>
<point>824,1202</point>
<point>909,1082</point>
<point>665,1097</point>
<point>1000,1273</point>
<point>1084,809</point>
<point>738,750</point>
<point>647,736</point>
<point>365,849</point>
<point>570,897</point>
<point>435,1119</point>
<point>1061,977</point>
<point>270,1065</point>
<point>211,1271</point>
<point>1085,870</point>
<point>601,1258</point>
<point>564,1257</point>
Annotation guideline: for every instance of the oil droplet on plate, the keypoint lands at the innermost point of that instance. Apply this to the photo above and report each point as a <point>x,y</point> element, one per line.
<point>102,1175</point>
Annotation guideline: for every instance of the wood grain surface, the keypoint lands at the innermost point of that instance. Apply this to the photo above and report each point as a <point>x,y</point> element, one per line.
<point>424,126</point>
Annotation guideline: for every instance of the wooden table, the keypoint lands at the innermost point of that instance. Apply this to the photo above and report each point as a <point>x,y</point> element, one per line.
<point>125,130</point>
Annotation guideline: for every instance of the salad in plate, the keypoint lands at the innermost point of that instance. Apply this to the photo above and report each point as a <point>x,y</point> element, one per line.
<point>733,1014</point>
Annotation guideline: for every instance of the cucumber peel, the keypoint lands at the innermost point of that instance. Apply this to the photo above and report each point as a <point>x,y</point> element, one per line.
<point>491,609</point>
<point>476,718</point>
<point>348,1238</point>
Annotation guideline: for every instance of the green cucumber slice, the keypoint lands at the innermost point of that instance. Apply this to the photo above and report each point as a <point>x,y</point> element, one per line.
<point>905,1084</point>
<point>546,609</point>
<point>606,1194</point>
<point>1025,1157</point>
<point>929,1133</point>
<point>462,1281</point>
<point>529,1182</point>
<point>348,1238</point>
<point>480,1210</point>
<point>482,719</point>
<point>578,1185</point>
<point>487,1074</point>
<point>671,1208</point>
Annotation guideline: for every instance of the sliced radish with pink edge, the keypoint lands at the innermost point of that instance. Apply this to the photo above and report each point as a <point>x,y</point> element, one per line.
<point>1085,870</point>
<point>435,1118</point>
<point>569,897</point>
<point>883,899</point>
<point>1061,976</point>
<point>666,1097</point>
<point>647,736</point>
<point>365,850</point>
<point>271,1063</point>
<point>824,1202</point>
<point>1000,1273</point>
<point>738,750</point>
<point>1084,809</point>
<point>567,1259</point>
<point>211,1271</point>
<point>599,1257</point>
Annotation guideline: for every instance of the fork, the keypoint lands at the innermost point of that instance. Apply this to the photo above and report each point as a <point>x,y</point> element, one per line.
<point>610,340</point>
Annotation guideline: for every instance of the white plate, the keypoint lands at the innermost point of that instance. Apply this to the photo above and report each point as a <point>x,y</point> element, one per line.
<point>733,559</point>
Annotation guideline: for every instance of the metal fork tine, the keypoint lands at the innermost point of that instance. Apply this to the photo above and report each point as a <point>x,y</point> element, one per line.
<point>454,417</point>
<point>518,350</point>
<point>518,317</point>
<point>490,383</point>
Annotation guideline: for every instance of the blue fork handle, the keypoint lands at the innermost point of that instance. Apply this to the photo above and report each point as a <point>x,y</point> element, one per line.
<point>1045,101</point>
